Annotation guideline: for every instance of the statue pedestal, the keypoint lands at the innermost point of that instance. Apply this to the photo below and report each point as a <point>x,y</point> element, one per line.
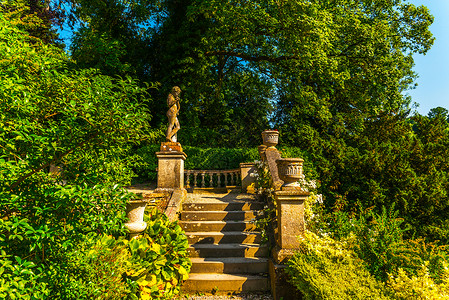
<point>170,171</point>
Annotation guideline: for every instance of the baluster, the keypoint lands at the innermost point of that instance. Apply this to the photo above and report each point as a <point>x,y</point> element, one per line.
<point>210,179</point>
<point>219,179</point>
<point>195,175</point>
<point>234,183</point>
<point>186,178</point>
<point>226,178</point>
<point>203,183</point>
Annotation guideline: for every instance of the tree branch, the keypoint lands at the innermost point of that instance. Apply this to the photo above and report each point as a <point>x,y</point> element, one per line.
<point>252,58</point>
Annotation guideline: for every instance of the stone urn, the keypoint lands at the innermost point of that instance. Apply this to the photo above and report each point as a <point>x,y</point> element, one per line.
<point>290,171</point>
<point>270,138</point>
<point>134,212</point>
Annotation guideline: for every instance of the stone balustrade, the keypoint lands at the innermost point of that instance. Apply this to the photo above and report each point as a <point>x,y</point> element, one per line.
<point>212,178</point>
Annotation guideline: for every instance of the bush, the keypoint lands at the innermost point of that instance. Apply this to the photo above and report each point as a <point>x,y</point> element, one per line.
<point>94,270</point>
<point>380,242</point>
<point>54,113</point>
<point>421,286</point>
<point>324,268</point>
<point>145,162</point>
<point>197,159</point>
<point>160,259</point>
<point>42,227</point>
<point>21,279</point>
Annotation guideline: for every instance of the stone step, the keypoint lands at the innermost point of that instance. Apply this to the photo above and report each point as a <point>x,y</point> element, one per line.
<point>234,205</point>
<point>192,226</point>
<point>233,237</point>
<point>225,283</point>
<point>229,265</point>
<point>218,215</point>
<point>227,250</point>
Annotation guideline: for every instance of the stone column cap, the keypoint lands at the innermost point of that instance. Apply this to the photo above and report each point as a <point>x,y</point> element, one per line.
<point>248,164</point>
<point>295,159</point>
<point>171,154</point>
<point>292,193</point>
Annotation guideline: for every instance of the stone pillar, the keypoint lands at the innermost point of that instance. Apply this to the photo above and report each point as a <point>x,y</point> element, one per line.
<point>290,222</point>
<point>170,171</point>
<point>245,170</point>
<point>290,226</point>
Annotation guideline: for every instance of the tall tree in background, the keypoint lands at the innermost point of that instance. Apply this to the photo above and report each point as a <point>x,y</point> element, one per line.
<point>113,35</point>
<point>328,65</point>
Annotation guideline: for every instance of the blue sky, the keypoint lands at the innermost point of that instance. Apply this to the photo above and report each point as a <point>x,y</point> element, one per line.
<point>433,68</point>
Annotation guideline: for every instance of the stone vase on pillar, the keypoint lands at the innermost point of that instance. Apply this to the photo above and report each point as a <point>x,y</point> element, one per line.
<point>290,207</point>
<point>270,138</point>
<point>290,171</point>
<point>135,210</point>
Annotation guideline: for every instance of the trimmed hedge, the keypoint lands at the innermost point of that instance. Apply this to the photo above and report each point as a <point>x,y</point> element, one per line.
<point>198,158</point>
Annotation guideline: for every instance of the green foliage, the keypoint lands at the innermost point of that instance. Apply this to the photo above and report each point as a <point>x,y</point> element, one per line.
<point>422,286</point>
<point>160,259</point>
<point>21,279</point>
<point>324,268</point>
<point>99,51</point>
<point>38,17</point>
<point>95,269</point>
<point>112,36</point>
<point>146,164</point>
<point>218,158</point>
<point>380,242</point>
<point>55,114</point>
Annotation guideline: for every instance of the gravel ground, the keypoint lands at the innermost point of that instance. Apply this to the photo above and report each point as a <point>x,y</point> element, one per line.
<point>236,297</point>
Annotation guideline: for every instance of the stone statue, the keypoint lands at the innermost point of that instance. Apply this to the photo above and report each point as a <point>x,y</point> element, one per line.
<point>172,114</point>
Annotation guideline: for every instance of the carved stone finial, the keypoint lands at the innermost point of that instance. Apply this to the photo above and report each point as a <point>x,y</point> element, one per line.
<point>172,114</point>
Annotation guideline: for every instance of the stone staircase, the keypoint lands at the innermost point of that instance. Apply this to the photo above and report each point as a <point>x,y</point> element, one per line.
<point>225,249</point>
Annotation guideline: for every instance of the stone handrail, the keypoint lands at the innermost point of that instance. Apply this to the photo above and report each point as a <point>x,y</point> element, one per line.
<point>212,178</point>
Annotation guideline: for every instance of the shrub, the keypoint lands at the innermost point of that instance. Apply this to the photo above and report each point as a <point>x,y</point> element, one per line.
<point>324,268</point>
<point>21,279</point>
<point>54,113</point>
<point>145,160</point>
<point>160,259</point>
<point>380,242</point>
<point>197,159</point>
<point>94,270</point>
<point>421,286</point>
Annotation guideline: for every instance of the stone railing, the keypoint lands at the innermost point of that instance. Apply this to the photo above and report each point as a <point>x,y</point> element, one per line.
<point>212,178</point>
